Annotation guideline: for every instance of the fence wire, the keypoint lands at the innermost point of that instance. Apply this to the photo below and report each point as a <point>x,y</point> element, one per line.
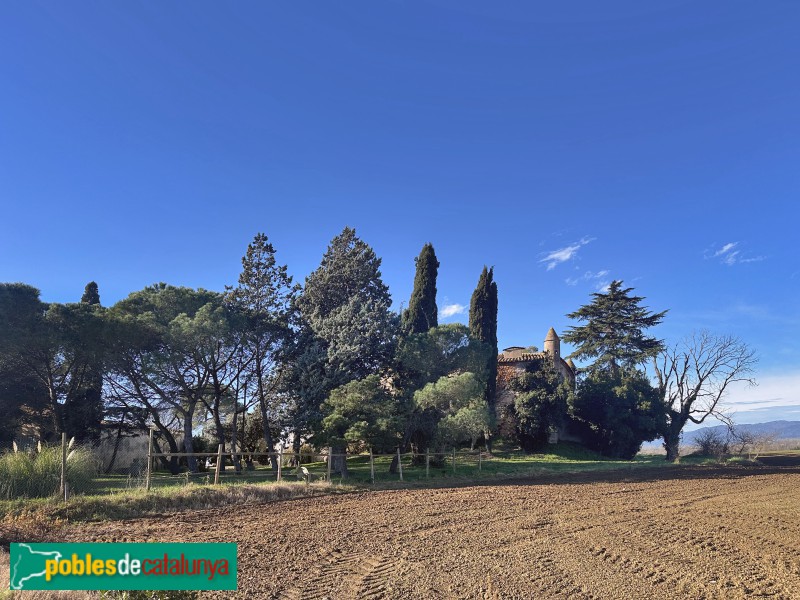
<point>67,470</point>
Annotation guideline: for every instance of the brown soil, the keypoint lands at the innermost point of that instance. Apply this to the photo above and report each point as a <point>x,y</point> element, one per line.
<point>685,533</point>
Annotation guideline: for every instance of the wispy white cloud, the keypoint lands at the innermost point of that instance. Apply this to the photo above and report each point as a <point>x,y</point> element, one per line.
<point>449,310</point>
<point>561,255</point>
<point>772,392</point>
<point>726,248</point>
<point>588,276</point>
<point>730,254</point>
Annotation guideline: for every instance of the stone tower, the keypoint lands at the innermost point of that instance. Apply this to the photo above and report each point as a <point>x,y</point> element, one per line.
<point>552,345</point>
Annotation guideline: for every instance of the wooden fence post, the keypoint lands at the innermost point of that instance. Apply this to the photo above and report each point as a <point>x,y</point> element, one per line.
<point>330,460</point>
<point>63,488</point>
<point>428,463</point>
<point>479,460</point>
<point>454,460</point>
<point>219,465</point>
<point>371,465</point>
<point>280,462</point>
<point>400,463</point>
<point>149,461</point>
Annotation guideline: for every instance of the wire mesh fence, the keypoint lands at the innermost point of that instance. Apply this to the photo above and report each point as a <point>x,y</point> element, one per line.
<point>67,469</point>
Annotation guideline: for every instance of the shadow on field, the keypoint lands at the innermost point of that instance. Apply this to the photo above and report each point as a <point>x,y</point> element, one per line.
<point>780,460</point>
<point>773,465</point>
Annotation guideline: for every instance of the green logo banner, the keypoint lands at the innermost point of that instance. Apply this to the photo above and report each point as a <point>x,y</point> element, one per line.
<point>128,566</point>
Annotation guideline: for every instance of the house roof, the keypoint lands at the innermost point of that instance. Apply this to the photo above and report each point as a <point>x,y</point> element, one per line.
<point>522,357</point>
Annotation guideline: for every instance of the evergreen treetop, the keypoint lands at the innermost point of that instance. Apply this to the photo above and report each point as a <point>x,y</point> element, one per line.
<point>483,309</point>
<point>614,330</point>
<point>91,294</point>
<point>422,312</point>
<point>483,327</point>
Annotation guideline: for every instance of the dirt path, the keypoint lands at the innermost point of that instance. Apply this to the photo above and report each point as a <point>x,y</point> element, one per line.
<point>692,533</point>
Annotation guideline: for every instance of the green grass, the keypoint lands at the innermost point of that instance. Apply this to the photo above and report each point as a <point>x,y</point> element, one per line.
<point>37,474</point>
<point>120,497</point>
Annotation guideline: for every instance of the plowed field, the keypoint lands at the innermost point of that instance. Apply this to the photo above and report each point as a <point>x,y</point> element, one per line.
<point>684,533</point>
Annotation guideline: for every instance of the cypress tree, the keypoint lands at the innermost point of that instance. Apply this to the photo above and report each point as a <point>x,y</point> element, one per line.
<point>91,294</point>
<point>483,327</point>
<point>422,312</point>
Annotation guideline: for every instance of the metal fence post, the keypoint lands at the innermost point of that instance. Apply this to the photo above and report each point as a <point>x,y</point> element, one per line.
<point>280,462</point>
<point>428,463</point>
<point>400,463</point>
<point>219,465</point>
<point>149,461</point>
<point>479,460</point>
<point>63,488</point>
<point>371,465</point>
<point>330,460</point>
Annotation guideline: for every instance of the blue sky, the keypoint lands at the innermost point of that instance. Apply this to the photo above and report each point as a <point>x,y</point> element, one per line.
<point>565,143</point>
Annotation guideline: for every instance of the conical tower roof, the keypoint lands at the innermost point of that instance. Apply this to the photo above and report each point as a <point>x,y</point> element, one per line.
<point>551,335</point>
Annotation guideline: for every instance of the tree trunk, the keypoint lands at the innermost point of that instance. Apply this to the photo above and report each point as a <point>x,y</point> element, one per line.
<point>262,403</point>
<point>487,436</point>
<point>237,463</point>
<point>188,444</point>
<point>339,461</point>
<point>116,446</point>
<point>268,434</point>
<point>219,429</point>
<point>672,446</point>
<point>672,435</point>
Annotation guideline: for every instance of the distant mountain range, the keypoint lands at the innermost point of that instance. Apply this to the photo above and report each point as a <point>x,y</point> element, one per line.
<point>782,429</point>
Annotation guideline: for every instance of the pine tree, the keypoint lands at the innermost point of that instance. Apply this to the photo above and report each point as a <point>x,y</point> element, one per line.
<point>91,295</point>
<point>84,416</point>
<point>483,327</point>
<point>264,297</point>
<point>422,313</point>
<point>347,306</point>
<point>614,331</point>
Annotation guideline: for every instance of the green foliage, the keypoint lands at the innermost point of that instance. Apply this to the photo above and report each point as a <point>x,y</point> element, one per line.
<point>174,350</point>
<point>458,402</point>
<point>20,315</point>
<point>540,404</point>
<point>483,326</point>
<point>346,304</point>
<point>361,414</point>
<point>37,474</point>
<point>617,413</point>
<point>422,313</point>
<point>55,353</point>
<point>91,294</point>
<point>306,381</point>
<point>425,357</point>
<point>614,331</point>
<point>264,298</point>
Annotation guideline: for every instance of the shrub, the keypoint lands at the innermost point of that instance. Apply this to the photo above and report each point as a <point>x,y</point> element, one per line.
<point>712,443</point>
<point>37,474</point>
<point>616,413</point>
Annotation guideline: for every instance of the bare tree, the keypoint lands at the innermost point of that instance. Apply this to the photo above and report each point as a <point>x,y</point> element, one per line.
<point>742,440</point>
<point>693,377</point>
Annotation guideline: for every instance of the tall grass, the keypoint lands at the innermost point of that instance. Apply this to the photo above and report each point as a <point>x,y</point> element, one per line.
<point>37,474</point>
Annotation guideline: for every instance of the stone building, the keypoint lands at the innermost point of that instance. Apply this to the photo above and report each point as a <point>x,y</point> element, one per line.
<point>515,359</point>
